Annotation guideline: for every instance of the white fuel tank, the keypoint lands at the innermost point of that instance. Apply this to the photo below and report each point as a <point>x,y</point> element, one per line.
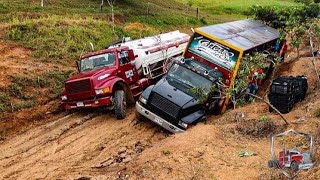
<point>153,49</point>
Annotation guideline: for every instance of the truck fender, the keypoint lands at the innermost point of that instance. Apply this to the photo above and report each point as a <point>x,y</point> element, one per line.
<point>118,84</point>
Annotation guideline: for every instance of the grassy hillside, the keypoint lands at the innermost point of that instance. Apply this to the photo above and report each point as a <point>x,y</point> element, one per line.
<point>223,7</point>
<point>59,33</point>
<point>62,28</point>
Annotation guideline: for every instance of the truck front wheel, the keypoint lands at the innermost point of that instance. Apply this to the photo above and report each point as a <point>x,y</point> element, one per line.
<point>271,164</point>
<point>294,166</point>
<point>120,104</point>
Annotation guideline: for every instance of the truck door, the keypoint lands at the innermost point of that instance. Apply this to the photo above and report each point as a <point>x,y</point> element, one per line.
<point>128,71</point>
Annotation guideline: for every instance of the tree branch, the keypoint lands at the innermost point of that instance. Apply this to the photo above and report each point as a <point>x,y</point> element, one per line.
<point>313,59</point>
<point>267,101</point>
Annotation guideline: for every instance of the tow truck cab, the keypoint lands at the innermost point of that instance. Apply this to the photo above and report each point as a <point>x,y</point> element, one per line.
<point>100,73</point>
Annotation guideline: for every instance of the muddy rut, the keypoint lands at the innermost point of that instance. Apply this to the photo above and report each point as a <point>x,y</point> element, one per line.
<point>78,142</point>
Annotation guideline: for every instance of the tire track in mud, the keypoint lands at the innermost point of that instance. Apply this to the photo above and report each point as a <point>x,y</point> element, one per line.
<point>76,143</point>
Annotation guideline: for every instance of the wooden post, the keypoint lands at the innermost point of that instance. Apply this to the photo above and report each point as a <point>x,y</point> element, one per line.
<point>101,5</point>
<point>197,13</point>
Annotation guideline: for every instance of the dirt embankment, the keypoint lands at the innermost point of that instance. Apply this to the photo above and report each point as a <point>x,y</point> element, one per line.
<point>78,143</point>
<point>24,83</point>
<point>94,145</point>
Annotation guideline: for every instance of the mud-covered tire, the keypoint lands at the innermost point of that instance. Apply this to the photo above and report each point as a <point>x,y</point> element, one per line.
<point>120,104</point>
<point>270,164</point>
<point>294,166</point>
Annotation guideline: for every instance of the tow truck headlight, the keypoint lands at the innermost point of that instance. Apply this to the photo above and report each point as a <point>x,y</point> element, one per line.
<point>103,76</point>
<point>183,124</point>
<point>64,97</point>
<point>143,100</point>
<point>102,91</point>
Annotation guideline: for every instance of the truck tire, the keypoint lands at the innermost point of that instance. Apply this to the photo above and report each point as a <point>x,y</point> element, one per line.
<point>294,166</point>
<point>270,164</point>
<point>120,104</point>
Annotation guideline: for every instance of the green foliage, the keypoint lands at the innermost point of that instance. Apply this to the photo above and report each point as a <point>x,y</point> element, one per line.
<point>202,94</point>
<point>317,113</point>
<point>281,18</point>
<point>54,80</point>
<point>307,2</point>
<point>235,7</point>
<point>249,63</point>
<point>264,118</point>
<point>272,16</point>
<point>16,91</point>
<point>24,105</point>
<point>56,37</point>
<point>18,86</point>
<point>291,21</point>
<point>190,3</point>
<point>3,8</point>
<point>203,21</point>
<point>4,102</point>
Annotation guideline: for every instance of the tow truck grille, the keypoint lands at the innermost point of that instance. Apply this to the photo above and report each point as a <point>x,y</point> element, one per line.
<point>164,105</point>
<point>79,86</point>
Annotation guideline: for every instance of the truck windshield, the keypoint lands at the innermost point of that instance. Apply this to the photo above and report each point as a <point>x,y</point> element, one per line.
<point>189,78</point>
<point>97,61</point>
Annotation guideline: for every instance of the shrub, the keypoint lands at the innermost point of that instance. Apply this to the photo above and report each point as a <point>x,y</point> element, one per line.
<point>256,128</point>
<point>54,80</point>
<point>24,105</point>
<point>317,112</point>
<point>264,118</point>
<point>16,91</point>
<point>4,102</point>
<point>19,84</point>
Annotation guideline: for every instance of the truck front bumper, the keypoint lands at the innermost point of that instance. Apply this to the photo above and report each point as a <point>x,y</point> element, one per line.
<point>103,101</point>
<point>157,119</point>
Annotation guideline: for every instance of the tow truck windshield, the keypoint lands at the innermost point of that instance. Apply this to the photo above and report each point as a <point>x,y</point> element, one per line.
<point>188,79</point>
<point>98,61</point>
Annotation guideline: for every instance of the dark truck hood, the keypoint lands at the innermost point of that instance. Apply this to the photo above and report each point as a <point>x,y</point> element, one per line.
<point>175,95</point>
<point>92,73</point>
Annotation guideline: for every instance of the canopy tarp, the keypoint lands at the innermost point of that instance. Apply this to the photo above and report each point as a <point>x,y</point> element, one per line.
<point>243,34</point>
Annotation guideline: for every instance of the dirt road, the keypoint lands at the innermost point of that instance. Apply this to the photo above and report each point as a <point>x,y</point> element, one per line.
<point>76,143</point>
<point>98,146</point>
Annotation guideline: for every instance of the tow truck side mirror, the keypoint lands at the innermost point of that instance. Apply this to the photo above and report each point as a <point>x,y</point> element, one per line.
<point>131,55</point>
<point>78,66</point>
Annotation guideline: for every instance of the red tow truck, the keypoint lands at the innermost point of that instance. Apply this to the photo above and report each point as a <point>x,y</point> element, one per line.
<point>292,158</point>
<point>114,76</point>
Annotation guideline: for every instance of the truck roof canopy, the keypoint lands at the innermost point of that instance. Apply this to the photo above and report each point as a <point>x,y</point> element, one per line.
<point>243,34</point>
